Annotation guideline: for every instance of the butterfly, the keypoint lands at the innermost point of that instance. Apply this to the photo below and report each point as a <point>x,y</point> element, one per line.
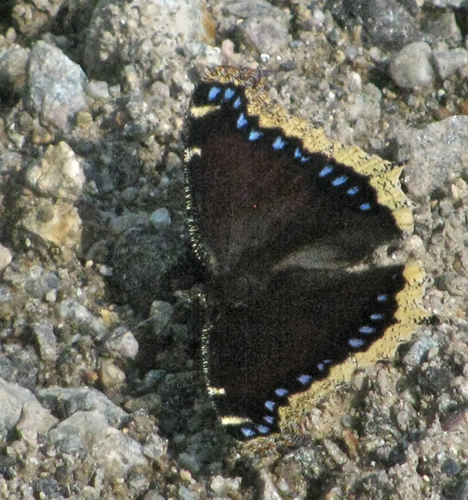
<point>280,217</point>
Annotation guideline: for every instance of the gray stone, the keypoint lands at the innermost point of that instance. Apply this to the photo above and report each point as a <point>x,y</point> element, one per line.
<point>161,218</point>
<point>5,257</point>
<point>119,455</point>
<point>55,85</point>
<point>447,3</point>
<point>72,400</point>
<point>98,89</point>
<point>122,343</point>
<point>448,62</point>
<point>34,420</point>
<point>432,165</point>
<point>13,69</point>
<point>412,66</point>
<point>12,399</point>
<point>46,339</point>
<point>161,315</point>
<point>149,31</point>
<point>155,447</point>
<point>79,432</point>
<point>73,311</point>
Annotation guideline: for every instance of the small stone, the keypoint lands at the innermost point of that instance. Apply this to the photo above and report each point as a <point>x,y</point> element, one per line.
<point>123,343</point>
<point>98,89</point>
<point>160,218</point>
<point>34,420</point>
<point>60,173</point>
<point>448,62</point>
<point>79,432</point>
<point>5,257</point>
<point>55,85</point>
<point>12,399</point>
<point>75,313</point>
<point>161,314</point>
<point>72,400</point>
<point>112,377</point>
<point>46,339</point>
<point>58,224</point>
<point>431,165</point>
<point>223,486</point>
<point>412,66</point>
<point>266,34</point>
<point>13,64</point>
<point>120,455</point>
<point>155,447</point>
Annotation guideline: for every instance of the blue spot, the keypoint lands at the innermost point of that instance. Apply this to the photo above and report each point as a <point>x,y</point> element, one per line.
<point>263,429</point>
<point>321,367</point>
<point>278,144</point>
<point>269,419</point>
<point>241,121</point>
<point>366,330</point>
<point>237,103</point>
<point>356,343</point>
<point>339,181</point>
<point>382,297</point>
<point>248,433</point>
<point>254,135</point>
<point>270,405</point>
<point>304,379</point>
<point>297,153</point>
<point>352,191</point>
<point>228,94</point>
<point>213,93</point>
<point>280,392</point>
<point>365,206</point>
<point>327,170</point>
<point>376,317</point>
<point>305,158</point>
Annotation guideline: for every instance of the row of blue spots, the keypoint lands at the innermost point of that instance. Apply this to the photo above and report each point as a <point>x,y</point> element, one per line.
<point>271,406</point>
<point>340,181</point>
<point>365,330</point>
<point>279,143</point>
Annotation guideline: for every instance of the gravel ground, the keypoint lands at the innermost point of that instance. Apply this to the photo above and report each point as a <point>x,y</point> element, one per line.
<point>101,390</point>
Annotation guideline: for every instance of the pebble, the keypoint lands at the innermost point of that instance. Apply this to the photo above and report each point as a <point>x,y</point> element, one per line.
<point>446,3</point>
<point>35,419</point>
<point>72,400</point>
<point>58,224</point>
<point>160,218</point>
<point>59,174</point>
<point>412,67</point>
<point>120,455</point>
<point>155,447</point>
<point>56,85</point>
<point>72,311</point>
<point>432,166</point>
<point>5,257</point>
<point>13,64</point>
<point>12,399</point>
<point>161,315</point>
<point>267,34</point>
<point>98,89</point>
<point>122,343</point>
<point>46,339</point>
<point>448,62</point>
<point>111,376</point>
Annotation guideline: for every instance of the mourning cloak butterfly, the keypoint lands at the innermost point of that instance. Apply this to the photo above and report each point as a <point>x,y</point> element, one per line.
<point>278,216</point>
